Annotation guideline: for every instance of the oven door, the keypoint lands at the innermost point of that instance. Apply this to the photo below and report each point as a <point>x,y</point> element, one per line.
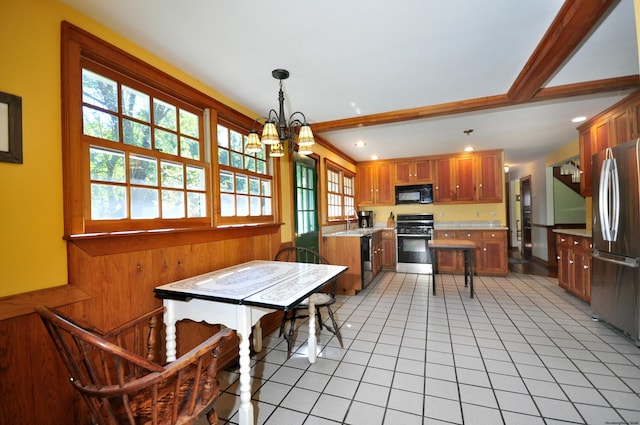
<point>414,255</point>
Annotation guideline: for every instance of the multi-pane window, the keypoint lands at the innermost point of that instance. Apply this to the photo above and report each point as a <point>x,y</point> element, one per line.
<point>340,193</point>
<point>146,152</point>
<point>245,182</point>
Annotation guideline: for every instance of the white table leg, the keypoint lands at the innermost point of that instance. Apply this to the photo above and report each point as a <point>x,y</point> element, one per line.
<point>312,330</point>
<point>257,337</point>
<point>170,330</point>
<point>244,330</point>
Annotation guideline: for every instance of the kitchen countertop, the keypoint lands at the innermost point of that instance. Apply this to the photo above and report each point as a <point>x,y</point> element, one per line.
<point>574,232</point>
<point>359,232</point>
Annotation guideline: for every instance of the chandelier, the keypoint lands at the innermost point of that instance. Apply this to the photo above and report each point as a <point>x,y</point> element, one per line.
<point>277,131</point>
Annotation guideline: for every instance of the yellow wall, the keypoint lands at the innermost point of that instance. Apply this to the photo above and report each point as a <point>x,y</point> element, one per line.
<point>32,251</point>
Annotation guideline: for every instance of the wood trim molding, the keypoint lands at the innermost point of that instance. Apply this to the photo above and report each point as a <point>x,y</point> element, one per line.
<point>119,243</point>
<point>21,304</point>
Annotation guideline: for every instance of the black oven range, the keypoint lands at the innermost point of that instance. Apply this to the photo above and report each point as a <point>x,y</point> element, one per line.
<point>413,232</point>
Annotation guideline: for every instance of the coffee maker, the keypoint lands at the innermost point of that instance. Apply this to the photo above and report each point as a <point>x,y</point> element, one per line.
<point>365,218</point>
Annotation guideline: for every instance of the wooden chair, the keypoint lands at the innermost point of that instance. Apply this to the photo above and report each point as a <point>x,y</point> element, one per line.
<point>322,300</point>
<point>119,377</point>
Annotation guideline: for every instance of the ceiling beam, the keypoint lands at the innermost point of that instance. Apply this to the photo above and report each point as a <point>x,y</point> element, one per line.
<point>478,104</point>
<point>574,22</point>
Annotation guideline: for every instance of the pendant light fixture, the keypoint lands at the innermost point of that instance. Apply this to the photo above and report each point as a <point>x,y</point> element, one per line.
<point>278,131</point>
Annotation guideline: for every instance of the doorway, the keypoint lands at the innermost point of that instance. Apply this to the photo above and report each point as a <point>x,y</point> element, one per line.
<point>525,203</point>
<point>305,202</point>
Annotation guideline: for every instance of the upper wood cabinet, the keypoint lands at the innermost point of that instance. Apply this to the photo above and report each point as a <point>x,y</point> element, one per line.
<point>618,124</point>
<point>465,178</point>
<point>374,184</point>
<point>413,172</point>
<point>443,190</point>
<point>469,178</point>
<point>490,172</point>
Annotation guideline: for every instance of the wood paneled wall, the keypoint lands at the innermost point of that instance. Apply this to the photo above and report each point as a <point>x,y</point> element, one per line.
<point>119,282</point>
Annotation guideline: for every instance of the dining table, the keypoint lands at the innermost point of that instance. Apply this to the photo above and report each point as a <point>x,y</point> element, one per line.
<point>237,297</point>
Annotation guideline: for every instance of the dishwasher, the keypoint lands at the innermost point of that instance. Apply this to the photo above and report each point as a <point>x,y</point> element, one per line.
<point>366,253</point>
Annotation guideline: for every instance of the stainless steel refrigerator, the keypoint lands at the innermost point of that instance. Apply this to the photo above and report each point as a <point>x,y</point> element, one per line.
<point>615,288</point>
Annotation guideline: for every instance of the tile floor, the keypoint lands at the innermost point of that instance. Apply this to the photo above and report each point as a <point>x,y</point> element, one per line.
<point>521,352</point>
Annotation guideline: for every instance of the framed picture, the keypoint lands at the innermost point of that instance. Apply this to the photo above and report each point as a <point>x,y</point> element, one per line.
<point>10,128</point>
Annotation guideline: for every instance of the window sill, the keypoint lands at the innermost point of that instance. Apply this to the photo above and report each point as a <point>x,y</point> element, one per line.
<point>120,242</point>
<point>22,304</point>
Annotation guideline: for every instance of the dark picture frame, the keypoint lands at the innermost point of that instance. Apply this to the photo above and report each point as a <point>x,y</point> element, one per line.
<point>10,128</point>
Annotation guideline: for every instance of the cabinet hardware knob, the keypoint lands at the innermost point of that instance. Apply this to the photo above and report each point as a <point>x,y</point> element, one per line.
<point>576,242</point>
<point>585,267</point>
<point>557,257</point>
<point>570,261</point>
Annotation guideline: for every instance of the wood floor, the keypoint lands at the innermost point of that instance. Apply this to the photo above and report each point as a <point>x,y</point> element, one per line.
<point>532,266</point>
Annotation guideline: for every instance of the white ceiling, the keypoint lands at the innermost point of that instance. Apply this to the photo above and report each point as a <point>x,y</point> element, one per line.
<point>361,57</point>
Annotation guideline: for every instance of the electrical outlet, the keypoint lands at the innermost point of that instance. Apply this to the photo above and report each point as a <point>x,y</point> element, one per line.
<point>494,214</point>
<point>477,213</point>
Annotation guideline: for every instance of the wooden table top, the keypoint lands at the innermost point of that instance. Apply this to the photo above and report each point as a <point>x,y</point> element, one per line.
<point>452,244</point>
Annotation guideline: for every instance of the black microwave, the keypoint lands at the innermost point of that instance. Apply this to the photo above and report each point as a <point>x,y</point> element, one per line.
<point>414,194</point>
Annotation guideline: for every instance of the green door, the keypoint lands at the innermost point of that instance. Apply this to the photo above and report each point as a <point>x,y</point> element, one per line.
<point>305,179</point>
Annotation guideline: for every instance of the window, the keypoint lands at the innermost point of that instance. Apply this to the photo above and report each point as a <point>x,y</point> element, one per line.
<point>245,185</point>
<point>139,150</point>
<point>145,153</point>
<point>340,192</point>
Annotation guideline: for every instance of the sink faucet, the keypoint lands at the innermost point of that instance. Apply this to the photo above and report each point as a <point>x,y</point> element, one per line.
<point>350,213</point>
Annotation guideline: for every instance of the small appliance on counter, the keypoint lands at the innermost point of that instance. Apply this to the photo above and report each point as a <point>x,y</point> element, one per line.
<point>365,218</point>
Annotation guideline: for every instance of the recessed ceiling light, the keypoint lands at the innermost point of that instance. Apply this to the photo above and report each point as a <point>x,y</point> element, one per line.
<point>469,149</point>
<point>579,119</point>
<point>360,144</point>
<point>374,157</point>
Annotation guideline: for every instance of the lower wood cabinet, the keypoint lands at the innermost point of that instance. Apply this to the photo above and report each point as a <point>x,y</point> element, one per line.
<point>345,251</point>
<point>574,264</point>
<point>389,249</point>
<point>489,259</point>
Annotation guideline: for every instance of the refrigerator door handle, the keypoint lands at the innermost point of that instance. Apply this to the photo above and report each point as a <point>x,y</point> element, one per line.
<point>615,200</point>
<point>622,261</point>
<point>603,199</point>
